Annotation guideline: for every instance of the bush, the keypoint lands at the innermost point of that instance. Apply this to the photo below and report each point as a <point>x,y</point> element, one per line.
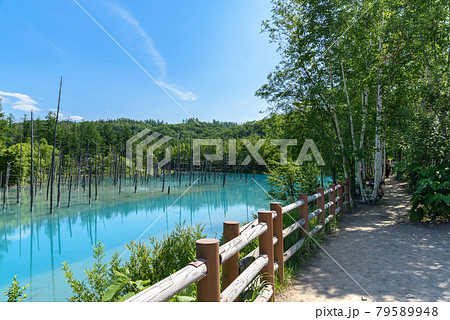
<point>15,293</point>
<point>147,264</point>
<point>431,188</point>
<point>99,278</point>
<point>161,258</point>
<point>431,200</point>
<point>287,181</point>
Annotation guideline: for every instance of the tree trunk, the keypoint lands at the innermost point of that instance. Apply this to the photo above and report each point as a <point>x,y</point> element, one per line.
<point>378,151</point>
<point>52,169</point>
<point>359,162</point>
<point>32,169</point>
<point>351,121</point>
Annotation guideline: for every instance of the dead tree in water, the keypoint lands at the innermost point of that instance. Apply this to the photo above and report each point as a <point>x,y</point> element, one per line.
<point>115,168</point>
<point>210,169</point>
<point>90,179</point>
<point>58,196</point>
<point>120,174</point>
<point>103,169</point>
<point>5,190</point>
<point>79,171</point>
<point>95,175</point>
<point>86,167</point>
<point>37,168</point>
<point>1,181</point>
<point>52,168</point>
<point>32,171</point>
<point>224,173</point>
<point>164,179</point>
<point>48,182</point>
<point>179,161</point>
<point>70,180</point>
<point>135,180</point>
<point>20,168</point>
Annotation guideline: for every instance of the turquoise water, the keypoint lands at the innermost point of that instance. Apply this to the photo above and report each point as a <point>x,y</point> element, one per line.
<point>33,246</point>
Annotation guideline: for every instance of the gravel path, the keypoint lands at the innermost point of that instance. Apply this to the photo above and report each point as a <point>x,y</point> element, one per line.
<point>391,258</point>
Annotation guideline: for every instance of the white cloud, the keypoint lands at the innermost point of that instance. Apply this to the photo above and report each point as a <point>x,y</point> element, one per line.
<point>183,95</point>
<point>157,58</point>
<point>148,42</point>
<point>75,118</point>
<point>26,107</point>
<point>21,101</point>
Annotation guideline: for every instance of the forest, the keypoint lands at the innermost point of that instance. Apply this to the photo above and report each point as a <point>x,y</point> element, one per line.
<point>368,84</point>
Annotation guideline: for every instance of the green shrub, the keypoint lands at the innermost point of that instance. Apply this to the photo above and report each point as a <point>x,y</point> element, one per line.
<point>98,278</point>
<point>147,264</point>
<point>431,200</point>
<point>15,293</point>
<point>287,181</point>
<point>431,188</point>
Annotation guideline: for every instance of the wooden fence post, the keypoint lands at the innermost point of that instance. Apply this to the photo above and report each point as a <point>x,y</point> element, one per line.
<point>230,268</point>
<point>304,215</point>
<point>347,189</point>
<point>266,247</point>
<point>278,232</point>
<point>320,205</point>
<point>208,288</point>
<point>340,193</point>
<point>332,198</point>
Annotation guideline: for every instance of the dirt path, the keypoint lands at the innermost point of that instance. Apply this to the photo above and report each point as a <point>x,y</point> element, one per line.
<point>391,258</point>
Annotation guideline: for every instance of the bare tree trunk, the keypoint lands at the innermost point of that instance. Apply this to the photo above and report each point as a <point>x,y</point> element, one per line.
<point>58,196</point>
<point>20,170</point>
<point>32,169</point>
<point>38,168</point>
<point>5,190</point>
<point>179,161</point>
<point>52,169</point>
<point>70,180</point>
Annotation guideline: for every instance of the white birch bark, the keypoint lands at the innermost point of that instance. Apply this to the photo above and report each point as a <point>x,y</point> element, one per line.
<point>359,162</point>
<point>358,175</point>
<point>338,133</point>
<point>378,151</point>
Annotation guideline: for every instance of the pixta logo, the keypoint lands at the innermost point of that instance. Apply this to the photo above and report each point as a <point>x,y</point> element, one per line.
<point>150,149</point>
<point>253,149</point>
<point>146,139</point>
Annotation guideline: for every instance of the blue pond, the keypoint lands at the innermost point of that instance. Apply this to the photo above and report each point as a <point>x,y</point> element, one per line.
<point>33,246</point>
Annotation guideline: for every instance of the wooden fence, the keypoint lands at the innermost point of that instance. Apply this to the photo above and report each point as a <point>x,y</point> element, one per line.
<point>265,261</point>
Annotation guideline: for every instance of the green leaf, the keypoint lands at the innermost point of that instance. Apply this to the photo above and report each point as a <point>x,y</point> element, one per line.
<point>417,215</point>
<point>437,197</point>
<point>141,284</point>
<point>446,199</point>
<point>127,296</point>
<point>444,185</point>
<point>120,281</point>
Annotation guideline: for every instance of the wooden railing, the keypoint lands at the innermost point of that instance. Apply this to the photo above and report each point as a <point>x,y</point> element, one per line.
<point>264,261</point>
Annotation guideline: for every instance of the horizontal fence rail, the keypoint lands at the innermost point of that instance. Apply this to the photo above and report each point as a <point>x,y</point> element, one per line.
<point>262,264</point>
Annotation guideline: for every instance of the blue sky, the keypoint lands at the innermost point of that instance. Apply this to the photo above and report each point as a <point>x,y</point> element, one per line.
<point>209,55</point>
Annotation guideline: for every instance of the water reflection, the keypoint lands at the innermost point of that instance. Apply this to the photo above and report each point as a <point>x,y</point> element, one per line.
<point>33,246</point>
